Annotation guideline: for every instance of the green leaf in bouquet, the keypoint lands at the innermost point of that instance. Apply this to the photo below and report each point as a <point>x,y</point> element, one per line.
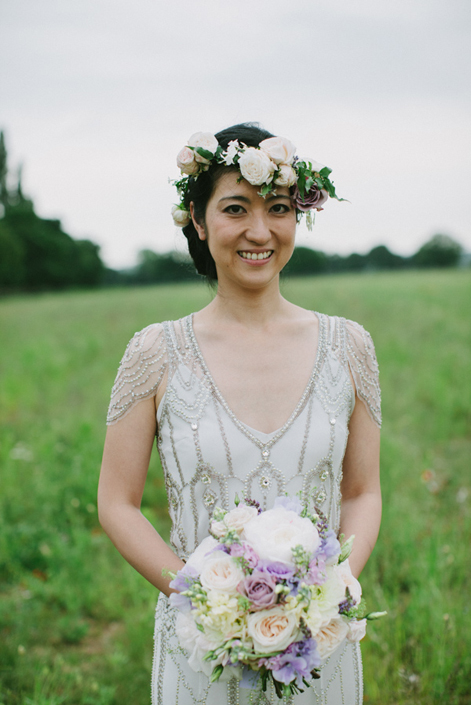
<point>346,548</point>
<point>216,674</point>
<point>375,615</point>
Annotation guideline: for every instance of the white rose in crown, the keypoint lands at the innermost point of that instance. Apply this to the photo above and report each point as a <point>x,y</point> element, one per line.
<point>272,630</point>
<point>356,630</point>
<point>221,572</point>
<point>186,161</point>
<point>205,140</point>
<point>274,533</point>
<point>180,216</point>
<point>331,636</point>
<point>256,166</point>
<point>235,519</point>
<point>286,176</point>
<point>344,572</point>
<point>279,149</point>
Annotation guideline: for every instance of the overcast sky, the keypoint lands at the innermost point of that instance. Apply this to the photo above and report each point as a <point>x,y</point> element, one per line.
<point>98,96</point>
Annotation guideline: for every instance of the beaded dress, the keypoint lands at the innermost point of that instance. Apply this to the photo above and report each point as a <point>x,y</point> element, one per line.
<point>208,456</point>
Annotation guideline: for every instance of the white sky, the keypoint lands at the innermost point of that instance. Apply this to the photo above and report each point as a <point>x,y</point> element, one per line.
<point>98,96</point>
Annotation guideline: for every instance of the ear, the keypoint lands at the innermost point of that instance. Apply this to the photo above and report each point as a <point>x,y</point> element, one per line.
<point>198,227</point>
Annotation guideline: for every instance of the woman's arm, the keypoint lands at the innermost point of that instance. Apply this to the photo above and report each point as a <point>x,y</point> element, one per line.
<point>126,456</point>
<point>361,492</point>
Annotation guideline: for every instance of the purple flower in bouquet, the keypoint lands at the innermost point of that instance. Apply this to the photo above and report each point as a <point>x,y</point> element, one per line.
<point>316,574</point>
<point>292,504</point>
<point>315,198</point>
<point>330,546</point>
<point>243,550</point>
<point>295,663</point>
<point>281,571</point>
<point>259,588</point>
<point>184,578</point>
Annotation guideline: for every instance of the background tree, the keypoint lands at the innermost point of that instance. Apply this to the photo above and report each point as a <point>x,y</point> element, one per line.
<point>439,251</point>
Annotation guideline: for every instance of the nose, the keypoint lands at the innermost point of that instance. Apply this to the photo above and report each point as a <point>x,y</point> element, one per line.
<point>258,231</point>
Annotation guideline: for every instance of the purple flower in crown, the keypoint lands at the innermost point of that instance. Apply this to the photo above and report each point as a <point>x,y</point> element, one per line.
<point>315,198</point>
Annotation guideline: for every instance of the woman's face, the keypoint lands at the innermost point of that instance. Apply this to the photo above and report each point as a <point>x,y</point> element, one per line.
<point>250,238</point>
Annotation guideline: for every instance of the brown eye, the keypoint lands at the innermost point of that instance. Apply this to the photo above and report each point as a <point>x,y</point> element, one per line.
<point>234,209</point>
<point>280,208</point>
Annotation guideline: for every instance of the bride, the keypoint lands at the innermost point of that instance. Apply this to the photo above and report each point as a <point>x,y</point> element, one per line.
<point>252,395</point>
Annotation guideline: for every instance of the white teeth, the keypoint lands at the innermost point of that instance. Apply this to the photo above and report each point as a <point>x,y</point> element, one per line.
<point>253,255</point>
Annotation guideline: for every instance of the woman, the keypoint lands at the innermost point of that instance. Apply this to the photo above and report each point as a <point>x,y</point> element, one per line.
<point>252,395</point>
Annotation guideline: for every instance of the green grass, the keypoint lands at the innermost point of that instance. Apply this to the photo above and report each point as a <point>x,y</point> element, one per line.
<point>76,621</point>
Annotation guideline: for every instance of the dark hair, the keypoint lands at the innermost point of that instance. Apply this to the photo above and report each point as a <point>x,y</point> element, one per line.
<point>201,189</point>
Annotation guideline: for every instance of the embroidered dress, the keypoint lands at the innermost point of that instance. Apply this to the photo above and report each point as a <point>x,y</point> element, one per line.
<point>208,456</point>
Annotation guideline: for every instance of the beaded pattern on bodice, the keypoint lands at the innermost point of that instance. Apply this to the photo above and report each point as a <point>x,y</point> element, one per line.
<point>208,455</point>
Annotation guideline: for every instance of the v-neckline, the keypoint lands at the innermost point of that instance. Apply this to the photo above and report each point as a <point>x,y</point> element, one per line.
<point>245,428</point>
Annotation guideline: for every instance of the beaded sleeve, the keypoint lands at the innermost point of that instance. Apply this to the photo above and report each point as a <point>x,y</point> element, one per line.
<point>363,365</point>
<point>141,371</point>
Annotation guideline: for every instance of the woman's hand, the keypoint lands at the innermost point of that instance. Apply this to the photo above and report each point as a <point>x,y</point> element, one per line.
<point>126,456</point>
<point>361,492</point>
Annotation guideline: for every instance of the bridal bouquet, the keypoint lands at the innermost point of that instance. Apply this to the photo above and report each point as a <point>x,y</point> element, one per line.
<point>267,596</point>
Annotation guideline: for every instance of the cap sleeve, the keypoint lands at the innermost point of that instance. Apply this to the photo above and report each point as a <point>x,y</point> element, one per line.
<point>363,366</point>
<point>140,373</point>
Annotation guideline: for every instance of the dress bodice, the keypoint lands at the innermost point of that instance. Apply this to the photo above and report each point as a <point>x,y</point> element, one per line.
<point>209,456</point>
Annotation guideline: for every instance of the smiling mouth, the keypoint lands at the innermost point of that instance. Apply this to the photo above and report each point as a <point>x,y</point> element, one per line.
<point>254,255</point>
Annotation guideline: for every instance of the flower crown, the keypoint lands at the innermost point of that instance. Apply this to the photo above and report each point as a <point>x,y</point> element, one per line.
<point>273,163</point>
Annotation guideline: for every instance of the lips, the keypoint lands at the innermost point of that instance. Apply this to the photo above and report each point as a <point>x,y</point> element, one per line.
<point>256,255</point>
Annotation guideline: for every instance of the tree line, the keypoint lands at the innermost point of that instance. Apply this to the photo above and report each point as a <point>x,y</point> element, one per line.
<point>36,254</point>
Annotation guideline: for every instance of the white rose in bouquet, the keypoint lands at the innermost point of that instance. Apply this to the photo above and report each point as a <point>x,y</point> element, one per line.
<point>195,643</point>
<point>272,630</point>
<point>221,572</point>
<point>356,630</point>
<point>279,149</point>
<point>256,167</point>
<point>274,533</point>
<point>344,572</point>
<point>331,636</point>
<point>206,141</point>
<point>198,558</point>
<point>235,519</point>
<point>329,595</point>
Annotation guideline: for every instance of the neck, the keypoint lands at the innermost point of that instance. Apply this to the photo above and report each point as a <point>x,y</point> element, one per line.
<point>250,307</point>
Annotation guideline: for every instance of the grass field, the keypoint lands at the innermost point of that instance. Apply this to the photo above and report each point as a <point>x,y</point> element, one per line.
<point>76,621</point>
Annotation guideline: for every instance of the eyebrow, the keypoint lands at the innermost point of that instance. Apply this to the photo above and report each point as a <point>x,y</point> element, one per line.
<point>244,199</point>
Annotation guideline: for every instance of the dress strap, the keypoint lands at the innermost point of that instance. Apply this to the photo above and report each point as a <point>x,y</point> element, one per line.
<point>357,352</point>
<point>140,372</point>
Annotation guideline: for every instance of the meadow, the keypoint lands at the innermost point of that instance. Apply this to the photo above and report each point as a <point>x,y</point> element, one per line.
<point>76,621</point>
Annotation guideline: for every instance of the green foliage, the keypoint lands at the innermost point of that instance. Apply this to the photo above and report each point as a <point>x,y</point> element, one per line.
<point>440,251</point>
<point>76,620</point>
<point>35,253</point>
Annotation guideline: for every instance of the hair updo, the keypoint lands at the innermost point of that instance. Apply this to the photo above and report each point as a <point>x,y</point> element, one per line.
<point>201,189</point>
